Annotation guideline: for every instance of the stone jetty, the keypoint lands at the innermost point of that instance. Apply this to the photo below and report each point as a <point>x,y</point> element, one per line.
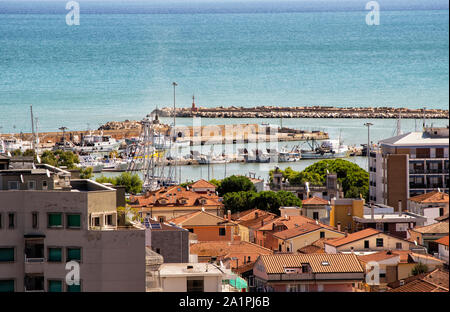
<point>304,112</point>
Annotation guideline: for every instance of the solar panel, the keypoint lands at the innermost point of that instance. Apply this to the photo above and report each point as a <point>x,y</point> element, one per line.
<point>155,226</point>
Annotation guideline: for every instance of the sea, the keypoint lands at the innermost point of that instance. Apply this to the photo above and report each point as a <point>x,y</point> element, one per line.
<point>119,63</point>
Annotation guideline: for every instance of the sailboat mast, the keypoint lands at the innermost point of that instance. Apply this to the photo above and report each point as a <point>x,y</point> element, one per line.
<point>32,127</point>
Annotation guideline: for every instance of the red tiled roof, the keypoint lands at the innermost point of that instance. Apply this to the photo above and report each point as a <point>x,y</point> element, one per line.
<point>300,229</point>
<point>182,219</point>
<point>439,227</point>
<point>378,256</point>
<point>311,249</point>
<point>431,197</point>
<point>443,240</point>
<point>353,237</point>
<point>315,201</point>
<point>291,222</point>
<point>202,184</point>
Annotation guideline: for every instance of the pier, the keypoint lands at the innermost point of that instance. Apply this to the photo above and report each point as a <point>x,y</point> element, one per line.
<point>304,112</point>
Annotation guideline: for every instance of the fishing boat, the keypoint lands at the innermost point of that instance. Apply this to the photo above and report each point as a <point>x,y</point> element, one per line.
<point>11,144</point>
<point>289,156</point>
<point>327,149</point>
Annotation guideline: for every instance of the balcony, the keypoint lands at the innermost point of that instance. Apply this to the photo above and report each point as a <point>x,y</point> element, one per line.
<point>34,255</point>
<point>34,283</point>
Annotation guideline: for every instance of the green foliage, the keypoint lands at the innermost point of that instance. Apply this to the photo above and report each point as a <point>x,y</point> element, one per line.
<point>217,183</point>
<point>29,152</point>
<point>127,214</point>
<point>132,182</point>
<point>60,158</point>
<point>186,184</point>
<point>353,179</point>
<point>235,184</point>
<point>419,268</point>
<point>266,200</point>
<point>16,152</point>
<point>86,173</point>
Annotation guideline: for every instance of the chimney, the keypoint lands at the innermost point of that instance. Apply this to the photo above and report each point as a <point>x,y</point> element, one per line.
<point>339,226</point>
<point>229,215</point>
<point>400,208</point>
<point>262,222</point>
<point>346,233</point>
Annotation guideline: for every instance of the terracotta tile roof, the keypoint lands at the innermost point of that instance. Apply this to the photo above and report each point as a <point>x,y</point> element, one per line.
<point>320,263</point>
<point>176,196</point>
<point>199,218</point>
<point>440,228</point>
<point>353,237</point>
<point>296,231</point>
<point>419,285</point>
<point>311,249</point>
<point>438,277</point>
<point>256,223</point>
<point>443,218</point>
<point>431,197</point>
<point>378,256</point>
<point>250,214</point>
<point>227,250</point>
<point>291,222</point>
<point>443,240</point>
<point>202,184</point>
<point>315,201</point>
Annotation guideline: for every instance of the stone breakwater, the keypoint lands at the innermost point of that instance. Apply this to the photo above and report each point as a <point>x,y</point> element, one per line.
<point>304,112</point>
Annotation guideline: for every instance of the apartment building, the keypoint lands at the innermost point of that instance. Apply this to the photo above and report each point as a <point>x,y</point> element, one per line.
<point>47,220</point>
<point>408,165</point>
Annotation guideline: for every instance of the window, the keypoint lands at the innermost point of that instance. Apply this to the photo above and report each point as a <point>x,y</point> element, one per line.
<point>34,220</point>
<point>11,219</point>
<point>322,234</point>
<point>109,220</point>
<point>6,286</point>
<point>96,221</point>
<point>74,254</point>
<point>31,185</point>
<point>222,232</point>
<point>162,219</point>
<point>315,215</point>
<point>54,220</point>
<point>398,246</point>
<point>158,251</point>
<point>366,244</point>
<point>74,288</point>
<point>382,275</point>
<point>6,254</point>
<point>55,254</point>
<point>44,185</point>
<point>74,221</point>
<point>195,285</point>
<point>191,230</point>
<point>54,286</point>
<point>379,242</point>
<point>13,185</point>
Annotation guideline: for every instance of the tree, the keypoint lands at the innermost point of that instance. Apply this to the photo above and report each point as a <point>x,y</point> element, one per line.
<point>17,152</point>
<point>86,173</point>
<point>419,268</point>
<point>60,158</point>
<point>235,184</point>
<point>29,152</point>
<point>132,182</point>
<point>266,200</point>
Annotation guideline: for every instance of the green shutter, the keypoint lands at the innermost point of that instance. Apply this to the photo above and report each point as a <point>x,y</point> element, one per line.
<point>54,286</point>
<point>55,219</point>
<point>55,254</point>
<point>74,221</point>
<point>73,254</point>
<point>6,254</point>
<point>73,288</point>
<point>7,286</point>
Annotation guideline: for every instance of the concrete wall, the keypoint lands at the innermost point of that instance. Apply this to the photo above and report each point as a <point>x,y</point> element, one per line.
<point>307,239</point>
<point>389,243</point>
<point>172,245</point>
<point>398,180</point>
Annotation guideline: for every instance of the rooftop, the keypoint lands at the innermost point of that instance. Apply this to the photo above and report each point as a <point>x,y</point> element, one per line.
<point>315,201</point>
<point>352,237</point>
<point>189,269</point>
<point>320,263</point>
<point>198,218</point>
<point>443,241</point>
<point>433,197</point>
<point>202,184</point>
<point>438,228</point>
<point>414,139</point>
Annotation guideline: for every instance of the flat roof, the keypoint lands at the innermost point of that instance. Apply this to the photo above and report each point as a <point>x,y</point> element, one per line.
<point>181,269</point>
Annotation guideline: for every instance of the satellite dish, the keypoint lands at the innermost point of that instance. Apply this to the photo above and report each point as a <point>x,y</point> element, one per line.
<point>38,159</point>
<point>48,173</point>
<point>317,222</point>
<point>203,208</point>
<point>9,154</point>
<point>21,178</point>
<point>34,166</point>
<point>415,242</point>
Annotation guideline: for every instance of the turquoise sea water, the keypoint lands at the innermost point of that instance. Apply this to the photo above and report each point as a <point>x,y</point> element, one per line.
<point>121,66</point>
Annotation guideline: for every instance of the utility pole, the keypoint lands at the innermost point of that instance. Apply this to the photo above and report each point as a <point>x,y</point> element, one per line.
<point>63,129</point>
<point>368,124</point>
<point>174,84</point>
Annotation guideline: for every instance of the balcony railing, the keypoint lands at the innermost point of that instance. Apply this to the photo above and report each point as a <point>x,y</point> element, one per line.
<point>34,260</point>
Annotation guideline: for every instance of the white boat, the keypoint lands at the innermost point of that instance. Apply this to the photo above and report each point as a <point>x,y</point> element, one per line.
<point>289,156</point>
<point>98,143</point>
<point>91,162</point>
<point>12,144</point>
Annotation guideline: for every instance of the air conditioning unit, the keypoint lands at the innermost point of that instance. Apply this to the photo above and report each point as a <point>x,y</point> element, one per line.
<point>402,282</point>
